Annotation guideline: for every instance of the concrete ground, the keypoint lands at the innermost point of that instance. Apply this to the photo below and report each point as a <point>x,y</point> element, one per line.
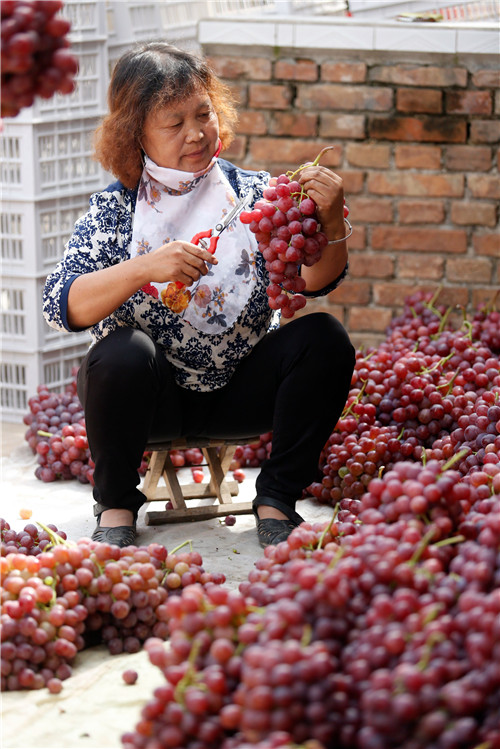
<point>95,706</point>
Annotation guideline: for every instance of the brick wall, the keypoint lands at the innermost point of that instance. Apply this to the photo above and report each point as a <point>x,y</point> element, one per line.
<point>416,143</point>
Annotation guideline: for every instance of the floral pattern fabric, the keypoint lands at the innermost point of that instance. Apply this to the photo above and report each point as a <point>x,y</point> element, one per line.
<point>174,205</point>
<point>103,237</point>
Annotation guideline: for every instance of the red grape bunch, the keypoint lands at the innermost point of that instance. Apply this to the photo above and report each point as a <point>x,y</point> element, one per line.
<point>288,233</point>
<point>35,57</point>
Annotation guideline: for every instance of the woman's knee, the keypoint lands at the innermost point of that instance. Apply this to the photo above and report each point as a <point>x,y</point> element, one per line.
<point>124,357</point>
<point>325,335</point>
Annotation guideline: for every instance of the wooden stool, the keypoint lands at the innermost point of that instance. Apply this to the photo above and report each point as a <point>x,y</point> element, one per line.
<point>218,455</point>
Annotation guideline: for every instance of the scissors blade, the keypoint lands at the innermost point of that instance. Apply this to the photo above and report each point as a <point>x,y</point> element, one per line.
<point>234,212</point>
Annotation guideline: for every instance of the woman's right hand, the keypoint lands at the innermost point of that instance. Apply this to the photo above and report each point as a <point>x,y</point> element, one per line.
<point>94,296</point>
<point>178,261</point>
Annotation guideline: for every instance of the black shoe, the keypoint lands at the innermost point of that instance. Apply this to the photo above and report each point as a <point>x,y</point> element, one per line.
<point>271,531</point>
<point>121,535</point>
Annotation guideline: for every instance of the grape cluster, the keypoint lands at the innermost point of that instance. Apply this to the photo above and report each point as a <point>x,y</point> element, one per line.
<point>253,454</point>
<point>57,435</point>
<point>32,540</point>
<point>58,598</point>
<point>486,327</point>
<point>288,233</point>
<point>35,57</point>
<point>348,635</point>
<point>429,391</point>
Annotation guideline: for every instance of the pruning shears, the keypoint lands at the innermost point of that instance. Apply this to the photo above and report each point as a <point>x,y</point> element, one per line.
<point>209,238</point>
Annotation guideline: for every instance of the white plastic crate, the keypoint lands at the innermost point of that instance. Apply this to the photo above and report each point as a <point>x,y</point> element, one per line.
<point>22,327</point>
<point>87,18</point>
<point>48,173</point>
<point>21,373</point>
<point>15,388</point>
<point>57,366</point>
<point>33,234</point>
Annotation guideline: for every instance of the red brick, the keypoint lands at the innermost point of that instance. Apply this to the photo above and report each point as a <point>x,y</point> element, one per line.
<point>237,149</point>
<point>421,212</point>
<point>417,157</point>
<point>453,296</point>
<point>370,265</point>
<point>366,340</point>
<point>426,267</point>
<point>331,96</point>
<point>370,210</point>
<point>393,294</point>
<point>369,318</point>
<point>351,292</point>
<point>296,70</point>
<point>474,214</point>
<point>252,123</point>
<point>436,129</point>
<point>404,239</point>
<point>472,270</point>
<point>484,131</point>
<point>480,297</point>
<point>468,102</point>
<point>239,92</point>
<point>414,184</point>
<point>291,151</point>
<point>373,155</point>
<point>350,126</point>
<point>468,158</point>
<point>343,72</point>
<point>269,96</point>
<point>427,100</point>
<point>353,181</point>
<point>487,244</point>
<point>484,186</point>
<point>486,78</point>
<point>298,124</point>
<point>358,239</point>
<point>250,68</point>
<point>409,75</point>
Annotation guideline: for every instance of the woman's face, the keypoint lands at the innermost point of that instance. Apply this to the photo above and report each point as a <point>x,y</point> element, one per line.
<point>183,135</point>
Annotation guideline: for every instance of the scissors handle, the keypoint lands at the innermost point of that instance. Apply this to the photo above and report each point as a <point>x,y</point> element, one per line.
<point>200,239</point>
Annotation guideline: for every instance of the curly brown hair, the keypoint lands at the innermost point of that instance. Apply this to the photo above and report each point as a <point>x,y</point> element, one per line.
<point>148,76</point>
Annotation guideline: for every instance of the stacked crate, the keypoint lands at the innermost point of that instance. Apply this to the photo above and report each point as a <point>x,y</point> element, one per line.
<point>47,175</point>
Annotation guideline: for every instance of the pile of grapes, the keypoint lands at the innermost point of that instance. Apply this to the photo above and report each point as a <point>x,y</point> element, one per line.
<point>381,634</point>
<point>288,233</point>
<point>35,56</point>
<point>431,390</point>
<point>60,597</point>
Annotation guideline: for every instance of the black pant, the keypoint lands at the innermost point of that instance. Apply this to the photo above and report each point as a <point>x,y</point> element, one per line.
<point>295,382</point>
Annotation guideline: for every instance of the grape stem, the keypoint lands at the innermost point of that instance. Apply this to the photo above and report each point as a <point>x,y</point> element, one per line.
<point>454,459</point>
<point>328,527</point>
<point>292,175</point>
<point>56,539</point>
<point>424,543</point>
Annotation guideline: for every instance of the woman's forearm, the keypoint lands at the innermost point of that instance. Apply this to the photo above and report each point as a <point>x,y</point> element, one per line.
<point>94,296</point>
<point>327,269</point>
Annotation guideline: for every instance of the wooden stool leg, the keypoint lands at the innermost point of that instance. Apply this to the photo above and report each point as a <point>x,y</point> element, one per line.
<point>218,458</point>
<point>218,475</point>
<point>154,472</point>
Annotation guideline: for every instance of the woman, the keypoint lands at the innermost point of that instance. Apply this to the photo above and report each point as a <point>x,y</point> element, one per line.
<point>184,342</point>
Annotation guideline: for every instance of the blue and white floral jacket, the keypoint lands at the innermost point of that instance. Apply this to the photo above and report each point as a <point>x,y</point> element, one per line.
<point>102,238</point>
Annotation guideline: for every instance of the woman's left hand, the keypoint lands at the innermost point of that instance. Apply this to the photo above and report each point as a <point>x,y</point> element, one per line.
<point>327,190</point>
